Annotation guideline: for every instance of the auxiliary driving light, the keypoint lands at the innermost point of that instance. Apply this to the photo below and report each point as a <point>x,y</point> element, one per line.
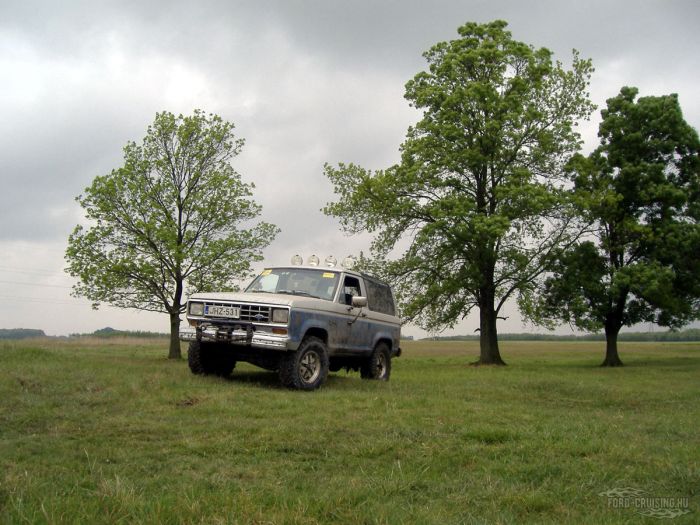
<point>331,262</point>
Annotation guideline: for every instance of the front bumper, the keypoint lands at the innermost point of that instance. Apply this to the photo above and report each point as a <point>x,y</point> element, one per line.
<point>249,337</point>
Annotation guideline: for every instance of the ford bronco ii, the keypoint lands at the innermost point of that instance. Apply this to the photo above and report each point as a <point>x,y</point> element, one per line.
<point>301,321</point>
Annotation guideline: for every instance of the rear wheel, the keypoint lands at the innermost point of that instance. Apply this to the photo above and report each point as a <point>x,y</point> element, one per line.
<point>378,365</point>
<point>307,368</point>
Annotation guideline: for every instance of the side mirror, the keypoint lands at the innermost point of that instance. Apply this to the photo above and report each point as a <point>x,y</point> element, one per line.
<point>359,301</point>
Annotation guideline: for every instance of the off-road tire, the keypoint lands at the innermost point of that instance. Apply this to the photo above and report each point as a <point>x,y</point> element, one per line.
<point>209,359</point>
<point>307,368</point>
<point>224,364</point>
<point>378,365</point>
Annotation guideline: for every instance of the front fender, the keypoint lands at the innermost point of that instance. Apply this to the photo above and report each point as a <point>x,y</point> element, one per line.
<point>301,321</point>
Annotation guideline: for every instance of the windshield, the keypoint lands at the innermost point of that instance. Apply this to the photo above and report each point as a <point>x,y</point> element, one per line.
<point>296,281</point>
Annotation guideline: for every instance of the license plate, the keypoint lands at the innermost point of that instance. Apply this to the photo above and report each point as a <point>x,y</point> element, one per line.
<point>232,312</point>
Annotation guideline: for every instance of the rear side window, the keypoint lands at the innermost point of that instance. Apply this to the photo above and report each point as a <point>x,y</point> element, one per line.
<point>379,298</point>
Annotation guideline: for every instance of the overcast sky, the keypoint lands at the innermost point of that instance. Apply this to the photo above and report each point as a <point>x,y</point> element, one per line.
<point>305,82</point>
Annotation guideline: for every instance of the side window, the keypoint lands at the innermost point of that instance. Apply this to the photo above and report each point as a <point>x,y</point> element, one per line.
<point>351,288</point>
<point>379,298</point>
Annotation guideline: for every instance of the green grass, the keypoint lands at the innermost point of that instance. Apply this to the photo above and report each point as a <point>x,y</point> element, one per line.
<point>112,432</point>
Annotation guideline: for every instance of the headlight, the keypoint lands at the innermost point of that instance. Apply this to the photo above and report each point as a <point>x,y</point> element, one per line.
<point>196,308</point>
<point>280,315</point>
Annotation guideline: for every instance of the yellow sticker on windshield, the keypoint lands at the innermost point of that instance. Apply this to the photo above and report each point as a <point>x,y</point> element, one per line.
<point>329,275</point>
<point>266,272</point>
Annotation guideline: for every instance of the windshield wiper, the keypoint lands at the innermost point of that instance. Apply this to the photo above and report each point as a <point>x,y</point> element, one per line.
<point>298,292</point>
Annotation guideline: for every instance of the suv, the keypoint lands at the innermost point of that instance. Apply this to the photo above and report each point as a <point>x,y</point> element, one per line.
<point>301,321</point>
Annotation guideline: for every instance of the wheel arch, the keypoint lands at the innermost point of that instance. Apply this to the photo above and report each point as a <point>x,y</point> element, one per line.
<point>318,332</point>
<point>384,339</point>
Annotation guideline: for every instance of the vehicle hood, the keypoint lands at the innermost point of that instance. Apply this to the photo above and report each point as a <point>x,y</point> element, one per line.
<point>260,298</point>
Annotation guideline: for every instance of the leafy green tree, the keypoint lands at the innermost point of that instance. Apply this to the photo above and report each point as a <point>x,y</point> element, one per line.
<point>641,190</point>
<point>174,219</point>
<point>475,204</point>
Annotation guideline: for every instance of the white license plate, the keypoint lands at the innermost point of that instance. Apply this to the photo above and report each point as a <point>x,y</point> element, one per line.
<point>232,312</point>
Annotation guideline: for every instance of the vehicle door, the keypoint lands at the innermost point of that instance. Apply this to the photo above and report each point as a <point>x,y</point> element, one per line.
<point>354,334</point>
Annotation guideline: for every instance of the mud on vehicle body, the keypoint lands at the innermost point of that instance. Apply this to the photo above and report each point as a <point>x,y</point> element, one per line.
<point>301,321</point>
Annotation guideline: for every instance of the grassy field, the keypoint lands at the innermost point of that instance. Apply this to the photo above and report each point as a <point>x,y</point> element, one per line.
<point>112,432</point>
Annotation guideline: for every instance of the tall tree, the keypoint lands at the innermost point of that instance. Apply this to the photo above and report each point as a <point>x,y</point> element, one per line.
<point>477,196</point>
<point>174,219</point>
<point>641,190</point>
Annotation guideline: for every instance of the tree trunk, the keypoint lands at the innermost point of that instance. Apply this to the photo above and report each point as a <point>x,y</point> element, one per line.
<point>611,357</point>
<point>488,335</point>
<point>174,352</point>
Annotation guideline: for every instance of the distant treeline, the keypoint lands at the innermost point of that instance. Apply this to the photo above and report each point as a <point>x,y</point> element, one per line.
<point>20,333</point>
<point>692,334</point>
<point>108,332</point>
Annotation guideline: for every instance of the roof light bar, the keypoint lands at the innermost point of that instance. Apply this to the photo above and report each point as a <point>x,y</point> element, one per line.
<point>331,262</point>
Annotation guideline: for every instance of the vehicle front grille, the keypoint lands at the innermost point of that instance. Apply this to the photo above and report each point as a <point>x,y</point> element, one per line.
<point>249,312</point>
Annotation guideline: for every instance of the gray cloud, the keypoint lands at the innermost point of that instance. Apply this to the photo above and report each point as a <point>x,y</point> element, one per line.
<point>305,82</point>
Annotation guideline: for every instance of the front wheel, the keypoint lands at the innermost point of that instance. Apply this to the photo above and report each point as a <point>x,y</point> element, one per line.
<point>209,358</point>
<point>307,368</point>
<point>378,365</point>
